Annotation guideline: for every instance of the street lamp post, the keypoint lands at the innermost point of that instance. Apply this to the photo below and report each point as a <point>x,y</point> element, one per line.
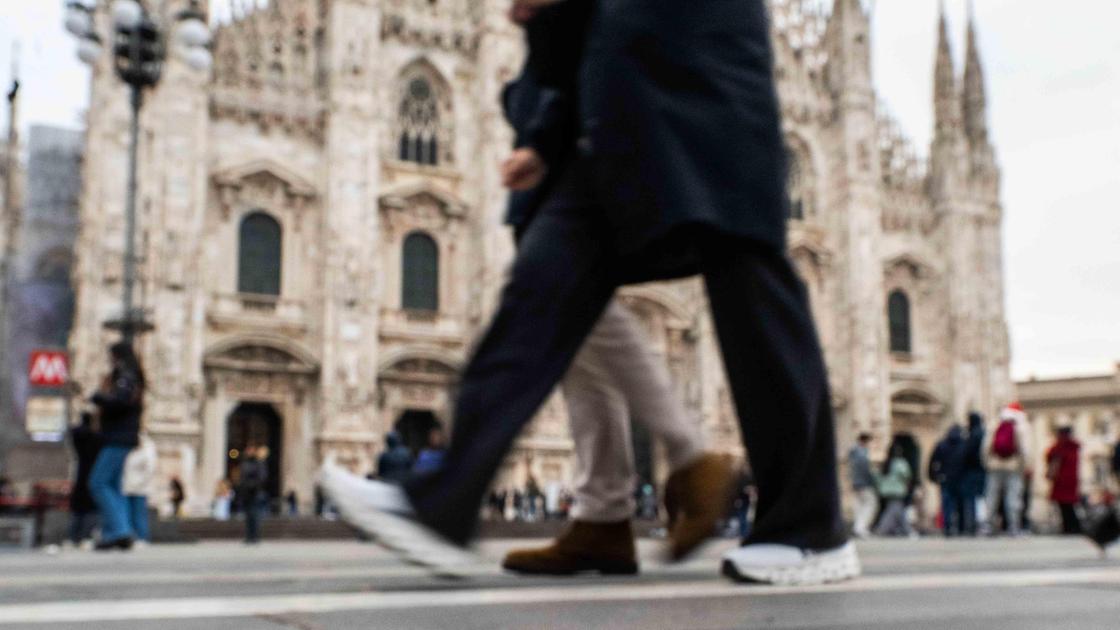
<point>138,53</point>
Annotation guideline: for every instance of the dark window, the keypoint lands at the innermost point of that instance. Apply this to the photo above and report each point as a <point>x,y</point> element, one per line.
<point>420,123</point>
<point>258,268</point>
<point>898,313</point>
<point>420,273</point>
<point>798,184</point>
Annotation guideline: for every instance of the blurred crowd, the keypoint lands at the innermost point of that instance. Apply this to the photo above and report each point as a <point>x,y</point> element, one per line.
<point>984,472</point>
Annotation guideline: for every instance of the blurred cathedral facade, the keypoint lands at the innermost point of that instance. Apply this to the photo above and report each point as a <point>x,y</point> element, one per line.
<point>321,238</point>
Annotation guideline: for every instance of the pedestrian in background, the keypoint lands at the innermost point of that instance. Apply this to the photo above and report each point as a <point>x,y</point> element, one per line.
<point>120,404</point>
<point>223,500</point>
<point>430,458</point>
<point>946,468</point>
<point>293,503</point>
<point>1007,452</point>
<point>894,487</point>
<point>178,495</point>
<point>862,479</point>
<point>394,465</point>
<point>250,489</point>
<point>136,483</point>
<point>86,442</point>
<point>974,479</point>
<point>1062,465</point>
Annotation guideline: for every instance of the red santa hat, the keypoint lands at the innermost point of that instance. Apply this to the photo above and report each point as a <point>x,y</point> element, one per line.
<point>1013,411</point>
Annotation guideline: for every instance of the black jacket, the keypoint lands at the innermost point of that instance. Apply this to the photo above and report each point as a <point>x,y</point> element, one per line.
<point>679,113</point>
<point>395,464</point>
<point>87,444</point>
<point>252,480</point>
<point>947,464</point>
<point>543,119</point>
<point>974,445</point>
<point>120,409</point>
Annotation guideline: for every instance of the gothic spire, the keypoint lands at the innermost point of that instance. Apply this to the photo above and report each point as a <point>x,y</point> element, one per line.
<point>849,44</point>
<point>974,101</point>
<point>945,93</point>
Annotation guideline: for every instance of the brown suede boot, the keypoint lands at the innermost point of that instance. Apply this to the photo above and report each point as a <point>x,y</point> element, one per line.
<point>607,548</point>
<point>699,494</point>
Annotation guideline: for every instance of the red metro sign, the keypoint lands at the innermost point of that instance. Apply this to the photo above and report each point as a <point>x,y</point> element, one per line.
<point>48,369</point>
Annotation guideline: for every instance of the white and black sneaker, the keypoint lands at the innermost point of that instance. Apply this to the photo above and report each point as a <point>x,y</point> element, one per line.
<point>382,511</point>
<point>784,565</point>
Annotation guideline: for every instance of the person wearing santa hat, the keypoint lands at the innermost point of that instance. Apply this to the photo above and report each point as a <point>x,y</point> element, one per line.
<point>1007,456</point>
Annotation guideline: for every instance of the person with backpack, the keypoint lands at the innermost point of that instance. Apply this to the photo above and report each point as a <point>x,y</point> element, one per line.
<point>1007,456</point>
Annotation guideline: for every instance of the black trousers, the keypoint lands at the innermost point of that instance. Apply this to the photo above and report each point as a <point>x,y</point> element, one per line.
<point>563,277</point>
<point>1071,524</point>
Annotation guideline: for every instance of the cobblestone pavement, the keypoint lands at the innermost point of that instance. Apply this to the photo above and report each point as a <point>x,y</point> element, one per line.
<point>932,583</point>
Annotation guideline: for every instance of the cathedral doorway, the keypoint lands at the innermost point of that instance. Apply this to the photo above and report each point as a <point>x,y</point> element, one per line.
<point>414,426</point>
<point>255,425</point>
<point>916,420</point>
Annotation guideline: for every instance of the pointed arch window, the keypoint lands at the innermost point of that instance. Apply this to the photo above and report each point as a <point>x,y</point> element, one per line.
<point>259,255</point>
<point>420,273</point>
<point>420,127</point>
<point>898,316</point>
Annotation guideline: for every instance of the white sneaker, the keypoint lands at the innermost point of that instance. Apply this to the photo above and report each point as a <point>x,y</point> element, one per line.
<point>382,511</point>
<point>784,565</point>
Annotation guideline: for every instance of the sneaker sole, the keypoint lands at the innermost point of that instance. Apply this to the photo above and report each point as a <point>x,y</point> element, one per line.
<point>390,531</point>
<point>815,572</point>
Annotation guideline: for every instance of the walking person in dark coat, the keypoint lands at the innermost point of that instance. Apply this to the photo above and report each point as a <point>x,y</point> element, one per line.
<point>680,171</point>
<point>972,484</point>
<point>120,404</point>
<point>1062,463</point>
<point>395,464</point>
<point>946,468</point>
<point>251,490</point>
<point>83,510</point>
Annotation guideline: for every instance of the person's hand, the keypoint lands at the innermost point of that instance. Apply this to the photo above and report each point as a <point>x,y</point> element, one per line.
<point>521,11</point>
<point>523,170</point>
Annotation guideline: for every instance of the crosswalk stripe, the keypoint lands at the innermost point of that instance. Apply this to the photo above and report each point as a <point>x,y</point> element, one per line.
<point>311,603</point>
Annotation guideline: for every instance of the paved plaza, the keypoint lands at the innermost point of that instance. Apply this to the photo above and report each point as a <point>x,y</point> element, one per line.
<point>1035,583</point>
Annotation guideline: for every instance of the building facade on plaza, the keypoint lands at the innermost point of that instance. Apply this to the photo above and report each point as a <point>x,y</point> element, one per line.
<point>38,297</point>
<point>321,238</point>
<point>1090,405</point>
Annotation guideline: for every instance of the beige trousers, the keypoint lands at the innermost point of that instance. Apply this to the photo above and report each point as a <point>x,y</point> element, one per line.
<point>616,377</point>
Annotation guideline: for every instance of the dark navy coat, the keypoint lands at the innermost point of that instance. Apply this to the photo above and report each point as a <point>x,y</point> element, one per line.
<point>543,119</point>
<point>679,112</point>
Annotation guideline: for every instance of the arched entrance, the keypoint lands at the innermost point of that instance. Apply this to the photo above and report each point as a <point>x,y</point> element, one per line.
<point>917,423</point>
<point>255,424</point>
<point>414,425</point>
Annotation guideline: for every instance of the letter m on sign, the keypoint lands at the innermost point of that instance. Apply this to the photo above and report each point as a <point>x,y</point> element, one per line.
<point>48,369</point>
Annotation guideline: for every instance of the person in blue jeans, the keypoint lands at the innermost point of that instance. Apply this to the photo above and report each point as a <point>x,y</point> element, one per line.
<point>120,403</point>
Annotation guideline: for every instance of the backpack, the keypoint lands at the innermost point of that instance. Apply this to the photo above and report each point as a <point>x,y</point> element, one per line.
<point>1003,443</point>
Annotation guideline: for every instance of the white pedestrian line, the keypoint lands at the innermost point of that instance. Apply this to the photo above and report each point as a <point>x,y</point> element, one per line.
<point>226,607</point>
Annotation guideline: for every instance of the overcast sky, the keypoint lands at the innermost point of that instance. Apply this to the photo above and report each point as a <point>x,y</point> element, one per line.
<point>1053,74</point>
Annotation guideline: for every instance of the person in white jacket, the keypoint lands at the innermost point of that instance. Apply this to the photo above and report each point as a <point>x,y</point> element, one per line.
<point>1008,453</point>
<point>136,483</point>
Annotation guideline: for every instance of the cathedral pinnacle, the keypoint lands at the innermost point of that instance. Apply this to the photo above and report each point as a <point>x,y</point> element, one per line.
<point>974,100</point>
<point>945,92</point>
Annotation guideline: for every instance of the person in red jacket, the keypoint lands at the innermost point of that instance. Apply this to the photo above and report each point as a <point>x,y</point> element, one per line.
<point>1062,463</point>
